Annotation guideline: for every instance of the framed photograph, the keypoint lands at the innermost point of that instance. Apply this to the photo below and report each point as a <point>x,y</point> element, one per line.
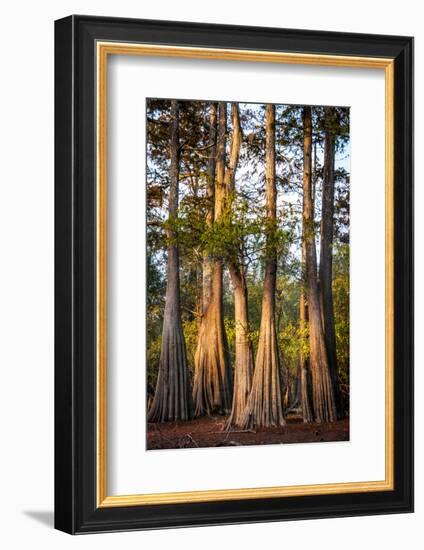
<point>234,274</point>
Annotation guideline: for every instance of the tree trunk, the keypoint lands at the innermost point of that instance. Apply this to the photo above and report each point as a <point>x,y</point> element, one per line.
<point>322,389</point>
<point>264,406</point>
<point>326,252</point>
<point>243,364</point>
<point>207,267</point>
<point>212,388</point>
<point>172,400</point>
<point>303,361</point>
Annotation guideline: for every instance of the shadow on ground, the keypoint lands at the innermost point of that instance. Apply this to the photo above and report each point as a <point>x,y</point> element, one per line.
<point>46,517</point>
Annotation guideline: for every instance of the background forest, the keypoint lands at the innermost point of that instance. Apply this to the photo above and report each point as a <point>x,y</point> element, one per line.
<point>247,272</point>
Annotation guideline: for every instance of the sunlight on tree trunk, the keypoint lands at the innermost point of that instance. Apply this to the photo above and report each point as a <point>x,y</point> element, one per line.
<point>322,389</point>
<point>264,406</point>
<point>304,374</point>
<point>243,363</point>
<point>212,388</point>
<point>207,266</point>
<point>172,400</point>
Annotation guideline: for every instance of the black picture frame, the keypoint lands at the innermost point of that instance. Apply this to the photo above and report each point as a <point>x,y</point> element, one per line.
<point>76,510</point>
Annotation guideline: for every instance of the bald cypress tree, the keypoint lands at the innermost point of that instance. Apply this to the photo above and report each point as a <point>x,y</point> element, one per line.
<point>172,400</point>
<point>326,249</point>
<point>243,356</point>
<point>304,355</point>
<point>324,408</point>
<point>207,267</point>
<point>264,406</point>
<point>212,387</point>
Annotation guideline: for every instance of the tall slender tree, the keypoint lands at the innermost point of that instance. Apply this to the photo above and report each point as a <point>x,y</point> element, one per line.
<point>207,267</point>
<point>326,250</point>
<point>172,400</point>
<point>322,388</point>
<point>264,407</point>
<point>304,359</point>
<point>243,362</point>
<point>212,388</point>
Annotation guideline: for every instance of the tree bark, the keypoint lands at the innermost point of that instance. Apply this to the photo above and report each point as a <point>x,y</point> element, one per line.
<point>243,364</point>
<point>207,267</point>
<point>303,360</point>
<point>264,407</point>
<point>322,389</point>
<point>172,400</point>
<point>326,252</point>
<point>212,388</point>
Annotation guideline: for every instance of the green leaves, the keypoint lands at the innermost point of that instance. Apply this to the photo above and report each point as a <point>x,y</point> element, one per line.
<point>341,289</point>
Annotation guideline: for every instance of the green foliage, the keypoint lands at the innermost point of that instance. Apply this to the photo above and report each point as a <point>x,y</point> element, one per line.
<point>341,312</point>
<point>191,331</point>
<point>155,305</point>
<point>289,343</point>
<point>230,330</point>
<point>152,360</point>
<point>287,316</point>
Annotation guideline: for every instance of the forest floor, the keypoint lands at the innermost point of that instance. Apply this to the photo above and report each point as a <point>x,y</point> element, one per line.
<point>210,432</point>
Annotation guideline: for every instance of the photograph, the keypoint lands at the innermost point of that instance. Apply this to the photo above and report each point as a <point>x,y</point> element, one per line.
<point>248,283</point>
